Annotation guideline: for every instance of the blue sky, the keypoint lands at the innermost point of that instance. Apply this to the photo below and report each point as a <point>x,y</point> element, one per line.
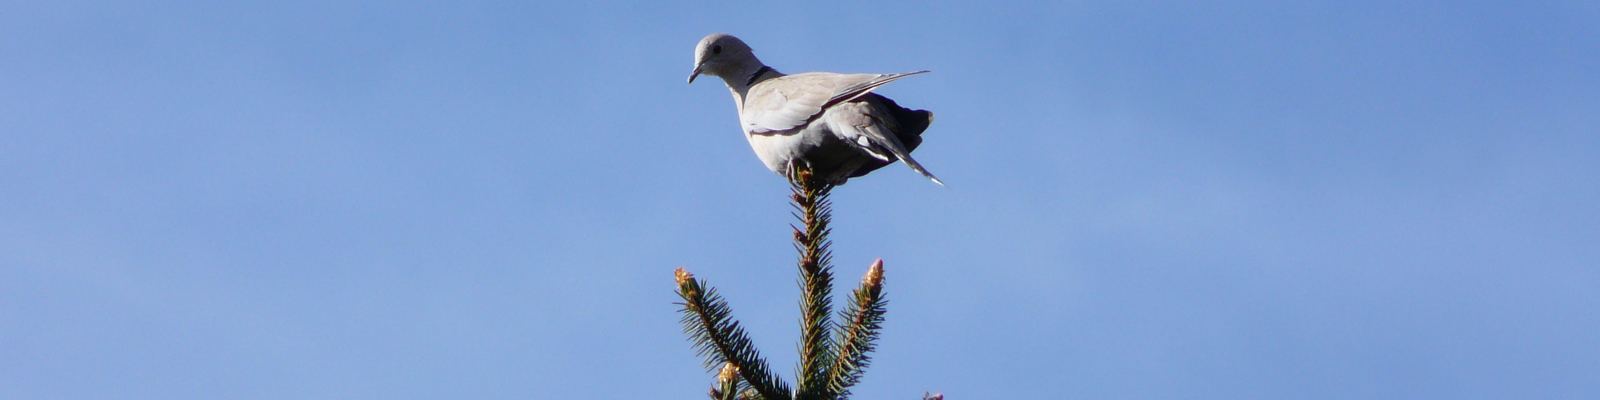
<point>1236,200</point>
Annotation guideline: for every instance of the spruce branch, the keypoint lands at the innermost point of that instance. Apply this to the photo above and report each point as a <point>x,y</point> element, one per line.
<point>833,355</point>
<point>811,204</point>
<point>862,321</point>
<point>709,322</point>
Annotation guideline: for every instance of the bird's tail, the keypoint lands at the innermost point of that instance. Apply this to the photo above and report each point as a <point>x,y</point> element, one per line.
<point>905,156</point>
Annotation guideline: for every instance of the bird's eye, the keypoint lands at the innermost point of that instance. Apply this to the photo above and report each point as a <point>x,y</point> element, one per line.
<point>717,49</point>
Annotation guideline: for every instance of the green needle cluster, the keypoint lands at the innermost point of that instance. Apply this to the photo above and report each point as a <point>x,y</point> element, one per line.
<point>833,355</point>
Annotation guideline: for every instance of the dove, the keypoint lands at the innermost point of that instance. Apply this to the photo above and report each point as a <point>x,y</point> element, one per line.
<point>831,123</point>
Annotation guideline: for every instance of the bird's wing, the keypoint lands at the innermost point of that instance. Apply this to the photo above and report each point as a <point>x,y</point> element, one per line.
<point>861,84</point>
<point>785,102</point>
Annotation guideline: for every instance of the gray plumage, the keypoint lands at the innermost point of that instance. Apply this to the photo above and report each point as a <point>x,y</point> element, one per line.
<point>831,122</point>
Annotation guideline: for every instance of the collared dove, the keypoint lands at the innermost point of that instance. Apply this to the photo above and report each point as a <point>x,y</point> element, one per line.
<point>831,122</point>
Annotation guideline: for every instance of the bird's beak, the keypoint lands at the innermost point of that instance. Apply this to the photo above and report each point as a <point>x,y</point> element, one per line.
<point>694,74</point>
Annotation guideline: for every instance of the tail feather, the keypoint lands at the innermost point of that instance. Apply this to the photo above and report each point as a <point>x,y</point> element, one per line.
<point>915,166</point>
<point>904,135</point>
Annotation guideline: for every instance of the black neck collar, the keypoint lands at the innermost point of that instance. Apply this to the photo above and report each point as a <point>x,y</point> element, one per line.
<point>764,69</point>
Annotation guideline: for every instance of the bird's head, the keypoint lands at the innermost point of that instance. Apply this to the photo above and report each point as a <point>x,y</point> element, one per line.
<point>721,54</point>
